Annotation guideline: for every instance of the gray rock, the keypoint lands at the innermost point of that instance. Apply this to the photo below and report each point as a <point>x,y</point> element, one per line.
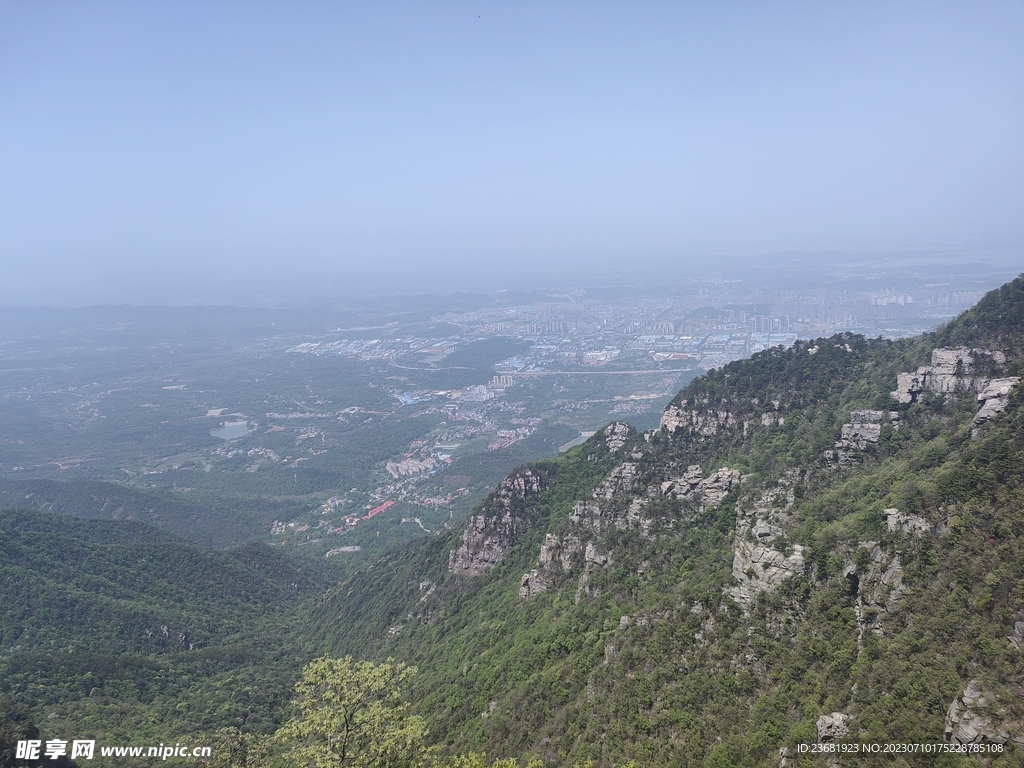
<point>1018,634</point>
<point>710,490</point>
<point>616,434</point>
<point>975,716</point>
<point>953,371</point>
<point>495,529</point>
<point>994,398</point>
<point>880,588</point>
<point>900,521</point>
<point>531,584</point>
<point>556,555</point>
<point>705,423</point>
<point>864,428</point>
<point>549,550</point>
<point>757,566</point>
<point>592,556</point>
<point>832,727</point>
<point>620,480</point>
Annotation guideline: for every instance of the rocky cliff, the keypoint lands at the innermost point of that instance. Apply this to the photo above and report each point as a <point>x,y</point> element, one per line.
<point>493,530</point>
<point>955,371</point>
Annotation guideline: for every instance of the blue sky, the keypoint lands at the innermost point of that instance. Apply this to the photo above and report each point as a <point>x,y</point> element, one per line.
<point>320,138</point>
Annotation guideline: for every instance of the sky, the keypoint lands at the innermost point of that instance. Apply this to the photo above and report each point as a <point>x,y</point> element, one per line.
<point>291,141</point>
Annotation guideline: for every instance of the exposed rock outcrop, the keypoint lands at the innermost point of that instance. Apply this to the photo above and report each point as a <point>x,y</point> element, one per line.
<point>994,398</point>
<point>620,502</point>
<point>952,370</point>
<point>571,544</point>
<point>833,727</point>
<point>901,521</point>
<point>863,429</point>
<point>556,552</point>
<point>957,370</point>
<point>556,555</point>
<point>602,513</point>
<point>878,587</point>
<point>710,490</point>
<point>593,557</point>
<point>684,484</point>
<point>606,510</point>
<point>759,566</point>
<point>532,583</point>
<point>1017,638</point>
<point>975,716</point>
<point>485,542</point>
<point>494,530</point>
<point>620,480</point>
<point>682,419</point>
<point>616,434</point>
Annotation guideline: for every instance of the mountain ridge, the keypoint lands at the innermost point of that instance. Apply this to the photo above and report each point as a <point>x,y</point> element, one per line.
<point>769,557</point>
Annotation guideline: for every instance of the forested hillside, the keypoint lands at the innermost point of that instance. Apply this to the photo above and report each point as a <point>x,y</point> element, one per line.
<point>211,521</point>
<point>117,629</point>
<point>813,546</point>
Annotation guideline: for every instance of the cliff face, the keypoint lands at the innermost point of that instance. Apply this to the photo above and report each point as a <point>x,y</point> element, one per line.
<point>762,559</point>
<point>976,717</point>
<point>494,529</point>
<point>951,371</point>
<point>683,419</point>
<point>815,545</point>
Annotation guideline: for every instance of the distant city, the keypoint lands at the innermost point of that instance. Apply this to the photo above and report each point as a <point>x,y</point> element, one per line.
<point>395,414</point>
<point>708,328</point>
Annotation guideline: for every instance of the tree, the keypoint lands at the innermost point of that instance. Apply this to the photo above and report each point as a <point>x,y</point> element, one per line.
<point>351,713</point>
<point>15,724</point>
<point>234,749</point>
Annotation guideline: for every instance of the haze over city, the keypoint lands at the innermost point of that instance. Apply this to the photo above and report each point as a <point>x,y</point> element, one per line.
<point>491,384</point>
<point>153,151</point>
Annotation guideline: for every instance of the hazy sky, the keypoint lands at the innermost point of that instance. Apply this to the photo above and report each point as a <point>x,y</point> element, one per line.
<point>324,137</point>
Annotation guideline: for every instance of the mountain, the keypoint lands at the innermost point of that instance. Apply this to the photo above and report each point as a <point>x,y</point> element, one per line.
<point>120,629</point>
<point>211,521</point>
<point>819,543</point>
